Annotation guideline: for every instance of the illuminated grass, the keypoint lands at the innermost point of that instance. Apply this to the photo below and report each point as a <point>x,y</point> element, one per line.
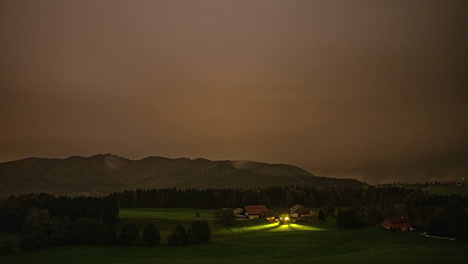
<point>259,227</point>
<point>276,227</point>
<point>295,227</point>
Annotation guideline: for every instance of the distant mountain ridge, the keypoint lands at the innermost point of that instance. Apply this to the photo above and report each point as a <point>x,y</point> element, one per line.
<point>106,173</point>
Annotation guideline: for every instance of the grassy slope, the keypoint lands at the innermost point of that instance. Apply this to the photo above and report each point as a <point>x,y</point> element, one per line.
<point>259,242</point>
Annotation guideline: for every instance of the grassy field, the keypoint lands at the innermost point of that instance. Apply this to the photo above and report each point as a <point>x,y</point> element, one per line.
<point>259,242</point>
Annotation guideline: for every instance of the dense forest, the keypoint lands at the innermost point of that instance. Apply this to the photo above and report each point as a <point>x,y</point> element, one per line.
<point>66,220</point>
<point>272,197</point>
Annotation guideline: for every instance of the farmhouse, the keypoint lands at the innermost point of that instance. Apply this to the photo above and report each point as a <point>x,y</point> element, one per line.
<point>255,211</point>
<point>300,211</point>
<point>399,223</point>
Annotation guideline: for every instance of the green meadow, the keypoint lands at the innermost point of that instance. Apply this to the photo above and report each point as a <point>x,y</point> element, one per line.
<point>258,241</point>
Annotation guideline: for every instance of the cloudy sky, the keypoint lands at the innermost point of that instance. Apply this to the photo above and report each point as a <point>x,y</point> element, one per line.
<point>331,86</point>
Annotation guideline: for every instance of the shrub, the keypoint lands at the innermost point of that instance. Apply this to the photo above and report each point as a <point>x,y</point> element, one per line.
<point>199,232</point>
<point>88,231</point>
<point>226,217</point>
<point>7,246</point>
<point>178,237</point>
<point>130,235</point>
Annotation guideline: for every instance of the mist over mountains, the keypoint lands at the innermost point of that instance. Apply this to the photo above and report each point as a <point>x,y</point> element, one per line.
<point>451,167</point>
<point>106,173</point>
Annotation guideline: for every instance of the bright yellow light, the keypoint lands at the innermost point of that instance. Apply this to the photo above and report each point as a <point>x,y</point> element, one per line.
<point>286,218</point>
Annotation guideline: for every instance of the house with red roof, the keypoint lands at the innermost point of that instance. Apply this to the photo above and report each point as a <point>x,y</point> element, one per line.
<point>255,211</point>
<point>399,223</point>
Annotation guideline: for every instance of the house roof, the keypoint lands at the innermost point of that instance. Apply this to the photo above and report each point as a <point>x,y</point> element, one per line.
<point>399,219</point>
<point>256,209</point>
<point>299,209</point>
<point>295,207</point>
<point>238,211</point>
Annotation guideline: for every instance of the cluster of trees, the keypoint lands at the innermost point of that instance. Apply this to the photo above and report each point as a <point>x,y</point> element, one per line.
<point>438,215</point>
<point>130,235</point>
<point>40,231</point>
<point>14,210</point>
<point>225,217</point>
<point>45,220</point>
<point>198,232</point>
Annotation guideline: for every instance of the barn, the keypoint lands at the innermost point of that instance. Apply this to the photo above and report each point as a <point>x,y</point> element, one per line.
<point>399,223</point>
<point>255,211</point>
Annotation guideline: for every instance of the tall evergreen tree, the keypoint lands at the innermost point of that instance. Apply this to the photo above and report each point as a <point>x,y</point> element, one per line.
<point>151,235</point>
<point>178,237</point>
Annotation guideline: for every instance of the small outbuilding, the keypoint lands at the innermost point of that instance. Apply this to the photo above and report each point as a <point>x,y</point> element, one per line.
<point>255,211</point>
<point>399,223</point>
<point>239,213</point>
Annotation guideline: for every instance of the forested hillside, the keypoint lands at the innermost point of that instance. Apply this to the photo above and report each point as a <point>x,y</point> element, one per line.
<point>103,174</point>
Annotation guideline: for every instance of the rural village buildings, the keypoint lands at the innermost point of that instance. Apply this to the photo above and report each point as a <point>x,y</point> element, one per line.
<point>297,212</point>
<point>300,212</point>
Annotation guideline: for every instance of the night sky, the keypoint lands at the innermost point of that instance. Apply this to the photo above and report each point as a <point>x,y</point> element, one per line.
<point>329,86</point>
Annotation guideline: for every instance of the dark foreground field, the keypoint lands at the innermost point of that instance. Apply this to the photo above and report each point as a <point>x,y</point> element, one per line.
<point>259,242</point>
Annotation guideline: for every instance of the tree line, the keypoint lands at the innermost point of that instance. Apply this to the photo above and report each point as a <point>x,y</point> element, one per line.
<point>272,197</point>
<point>14,210</point>
<point>44,220</point>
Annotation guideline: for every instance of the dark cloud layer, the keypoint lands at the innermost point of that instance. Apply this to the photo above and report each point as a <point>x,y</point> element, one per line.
<point>327,85</point>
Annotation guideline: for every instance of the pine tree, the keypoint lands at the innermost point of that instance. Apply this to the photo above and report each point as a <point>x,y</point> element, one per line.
<point>151,235</point>
<point>178,237</point>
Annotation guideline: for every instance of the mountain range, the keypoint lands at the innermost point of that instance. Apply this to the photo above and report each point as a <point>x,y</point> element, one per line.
<point>106,173</point>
